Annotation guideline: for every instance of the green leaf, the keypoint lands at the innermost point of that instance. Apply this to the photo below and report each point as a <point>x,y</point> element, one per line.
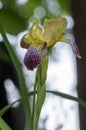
<point>29,6</point>
<point>65,5</point>
<point>21,78</point>
<point>80,101</point>
<point>41,93</point>
<point>3,56</point>
<point>7,107</point>
<point>9,3</point>
<point>12,22</point>
<point>42,70</point>
<point>3,125</point>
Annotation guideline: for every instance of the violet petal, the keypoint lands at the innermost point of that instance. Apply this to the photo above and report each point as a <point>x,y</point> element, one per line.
<point>32,57</point>
<point>75,49</point>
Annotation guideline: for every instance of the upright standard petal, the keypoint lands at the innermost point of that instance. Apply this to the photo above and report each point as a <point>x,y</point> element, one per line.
<point>34,36</point>
<point>53,29</point>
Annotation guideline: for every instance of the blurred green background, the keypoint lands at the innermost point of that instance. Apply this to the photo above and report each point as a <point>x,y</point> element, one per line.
<point>16,14</point>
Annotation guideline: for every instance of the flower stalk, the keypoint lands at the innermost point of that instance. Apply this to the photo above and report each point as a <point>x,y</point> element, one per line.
<point>41,90</point>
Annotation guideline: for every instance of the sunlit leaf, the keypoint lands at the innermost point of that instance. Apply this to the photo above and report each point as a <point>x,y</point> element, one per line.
<point>65,5</point>
<point>29,6</point>
<point>4,125</point>
<point>13,23</point>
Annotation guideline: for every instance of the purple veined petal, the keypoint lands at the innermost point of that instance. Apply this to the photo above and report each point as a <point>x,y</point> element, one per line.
<point>32,57</point>
<point>75,49</point>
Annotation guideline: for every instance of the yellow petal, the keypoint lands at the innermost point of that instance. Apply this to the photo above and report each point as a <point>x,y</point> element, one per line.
<point>53,29</point>
<point>35,36</point>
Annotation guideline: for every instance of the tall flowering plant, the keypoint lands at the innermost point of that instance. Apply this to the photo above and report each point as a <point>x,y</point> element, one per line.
<point>38,42</point>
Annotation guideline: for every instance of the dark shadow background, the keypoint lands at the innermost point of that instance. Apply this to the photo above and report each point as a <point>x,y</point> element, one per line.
<point>79,14</point>
<point>14,116</point>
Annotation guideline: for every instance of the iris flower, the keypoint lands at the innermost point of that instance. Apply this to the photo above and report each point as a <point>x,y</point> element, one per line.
<point>39,41</point>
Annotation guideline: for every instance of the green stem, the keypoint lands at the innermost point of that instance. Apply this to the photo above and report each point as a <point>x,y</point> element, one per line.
<point>4,125</point>
<point>34,97</point>
<point>41,93</point>
<point>23,88</point>
<point>41,90</point>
